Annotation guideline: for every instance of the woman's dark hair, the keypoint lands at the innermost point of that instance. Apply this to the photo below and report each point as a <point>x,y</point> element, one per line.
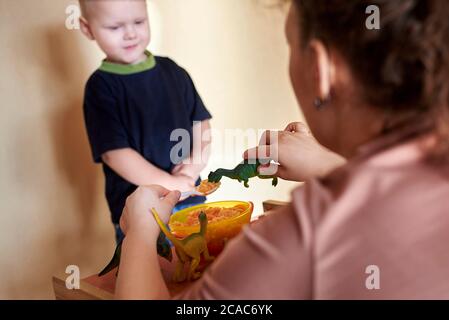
<point>404,64</point>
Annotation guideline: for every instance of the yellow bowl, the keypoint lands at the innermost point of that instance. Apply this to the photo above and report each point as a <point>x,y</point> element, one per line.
<point>218,232</point>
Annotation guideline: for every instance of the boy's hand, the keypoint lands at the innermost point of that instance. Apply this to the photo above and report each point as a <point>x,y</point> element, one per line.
<point>177,168</point>
<point>189,170</point>
<point>182,182</point>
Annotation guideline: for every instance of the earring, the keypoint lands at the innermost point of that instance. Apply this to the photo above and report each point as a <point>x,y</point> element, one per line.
<point>320,103</point>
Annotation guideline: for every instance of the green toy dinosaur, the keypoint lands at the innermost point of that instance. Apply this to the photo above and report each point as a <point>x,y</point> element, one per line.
<point>189,249</point>
<point>115,261</point>
<point>242,172</point>
<point>163,249</point>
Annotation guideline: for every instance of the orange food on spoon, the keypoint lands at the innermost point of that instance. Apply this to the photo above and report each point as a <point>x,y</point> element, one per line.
<point>207,187</point>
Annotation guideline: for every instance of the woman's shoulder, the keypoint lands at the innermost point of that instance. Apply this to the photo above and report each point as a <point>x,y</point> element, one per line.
<point>385,208</point>
<point>403,169</point>
<point>393,181</point>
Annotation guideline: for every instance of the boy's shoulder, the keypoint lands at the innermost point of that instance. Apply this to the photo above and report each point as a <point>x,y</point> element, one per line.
<point>169,63</point>
<point>170,67</point>
<point>165,60</point>
<point>99,78</point>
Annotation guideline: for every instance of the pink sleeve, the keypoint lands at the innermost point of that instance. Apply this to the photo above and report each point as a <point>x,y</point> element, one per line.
<point>267,260</point>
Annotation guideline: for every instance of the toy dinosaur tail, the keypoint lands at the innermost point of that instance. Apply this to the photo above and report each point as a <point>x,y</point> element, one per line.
<point>115,261</point>
<point>164,229</point>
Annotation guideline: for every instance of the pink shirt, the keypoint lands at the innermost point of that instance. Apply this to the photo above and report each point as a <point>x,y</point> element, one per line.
<point>386,213</point>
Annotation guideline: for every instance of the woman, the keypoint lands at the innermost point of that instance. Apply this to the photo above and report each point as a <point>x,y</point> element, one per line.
<point>375,227</point>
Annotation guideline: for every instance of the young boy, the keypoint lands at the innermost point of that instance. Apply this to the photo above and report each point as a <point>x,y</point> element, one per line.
<point>132,104</point>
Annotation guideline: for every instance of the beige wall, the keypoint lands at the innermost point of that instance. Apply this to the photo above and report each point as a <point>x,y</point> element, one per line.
<point>53,211</point>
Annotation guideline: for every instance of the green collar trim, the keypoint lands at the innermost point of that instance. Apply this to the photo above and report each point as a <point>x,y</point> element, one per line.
<point>124,69</point>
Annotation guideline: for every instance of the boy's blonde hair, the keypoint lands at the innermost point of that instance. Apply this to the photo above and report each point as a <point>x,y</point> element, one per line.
<point>83,7</point>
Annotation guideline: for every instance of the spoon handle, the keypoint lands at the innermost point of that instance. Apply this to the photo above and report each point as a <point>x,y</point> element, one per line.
<point>190,193</point>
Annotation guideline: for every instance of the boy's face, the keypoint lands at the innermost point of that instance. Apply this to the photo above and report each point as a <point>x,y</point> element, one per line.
<point>120,28</point>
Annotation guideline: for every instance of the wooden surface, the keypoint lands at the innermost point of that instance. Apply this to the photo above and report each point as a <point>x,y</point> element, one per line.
<point>102,288</point>
<point>271,205</point>
<point>89,290</point>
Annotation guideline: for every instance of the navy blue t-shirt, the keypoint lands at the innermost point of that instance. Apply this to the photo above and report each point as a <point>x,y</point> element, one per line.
<point>138,107</point>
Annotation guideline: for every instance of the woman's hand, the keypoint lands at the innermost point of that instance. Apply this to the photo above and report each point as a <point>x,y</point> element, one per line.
<point>140,274</point>
<point>299,155</point>
<point>137,216</point>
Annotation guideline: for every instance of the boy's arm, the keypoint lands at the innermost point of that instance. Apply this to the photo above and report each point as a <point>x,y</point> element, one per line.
<point>131,166</point>
<point>200,152</point>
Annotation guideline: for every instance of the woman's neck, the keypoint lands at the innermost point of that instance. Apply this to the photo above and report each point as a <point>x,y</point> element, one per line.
<point>375,124</point>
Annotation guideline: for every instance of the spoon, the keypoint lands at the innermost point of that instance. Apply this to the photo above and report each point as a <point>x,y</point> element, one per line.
<point>196,192</point>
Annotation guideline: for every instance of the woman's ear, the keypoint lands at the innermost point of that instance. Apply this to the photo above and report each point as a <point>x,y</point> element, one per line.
<point>323,68</point>
<point>85,28</point>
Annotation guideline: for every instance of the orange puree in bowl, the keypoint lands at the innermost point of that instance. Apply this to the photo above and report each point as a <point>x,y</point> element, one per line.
<point>225,220</point>
<point>213,214</point>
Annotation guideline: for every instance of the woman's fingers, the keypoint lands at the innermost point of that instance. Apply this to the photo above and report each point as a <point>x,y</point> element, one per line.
<point>262,152</point>
<point>168,199</point>
<point>298,127</point>
<point>282,173</point>
<point>160,190</point>
<point>248,153</point>
<point>269,137</point>
<point>139,203</point>
<point>269,141</point>
<point>171,199</point>
<point>167,196</point>
<point>165,206</point>
<point>274,169</point>
<point>270,169</point>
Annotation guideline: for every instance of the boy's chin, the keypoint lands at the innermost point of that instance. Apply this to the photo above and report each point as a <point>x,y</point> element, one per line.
<point>128,58</point>
<point>134,58</point>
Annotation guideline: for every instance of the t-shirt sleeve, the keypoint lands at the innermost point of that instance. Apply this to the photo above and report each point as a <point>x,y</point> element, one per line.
<point>101,114</point>
<point>269,259</point>
<point>198,111</point>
